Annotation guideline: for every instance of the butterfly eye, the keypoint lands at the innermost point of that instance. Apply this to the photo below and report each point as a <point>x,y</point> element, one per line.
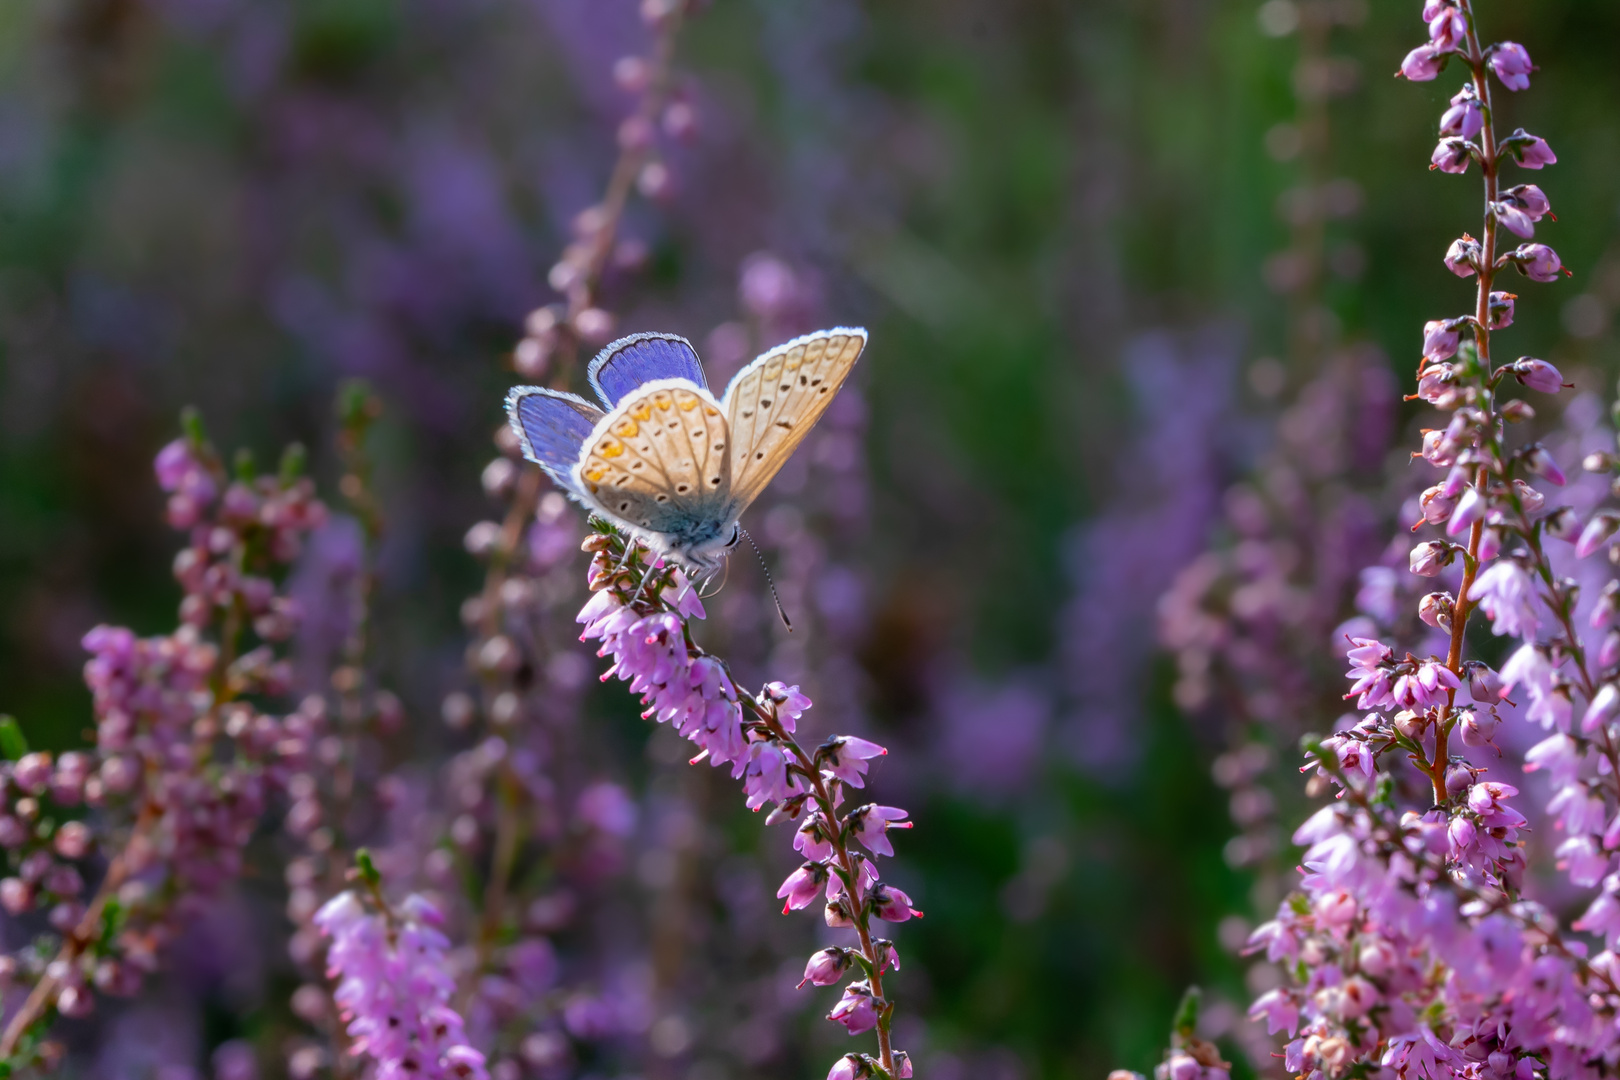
<point>736,535</point>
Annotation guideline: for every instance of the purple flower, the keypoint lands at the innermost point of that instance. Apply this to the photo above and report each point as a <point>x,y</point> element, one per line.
<point>1505,593</point>
<point>1279,1010</point>
<point>870,825</point>
<point>1429,685</point>
<point>1603,916</point>
<point>1538,375</point>
<point>846,757</point>
<point>850,1067</point>
<point>1470,508</point>
<point>1529,198</point>
<point>1452,155</point>
<point>1512,65</point>
<point>1530,151</point>
<point>1422,64</point>
<point>892,905</point>
<point>1599,531</point>
<point>1369,660</point>
<point>1440,337</point>
<point>394,990</point>
<point>1448,30</point>
<point>1540,462</point>
<point>857,1010</point>
<point>790,704</point>
<point>813,839</point>
<point>765,774</point>
<point>1513,219</point>
<point>1464,118</point>
<point>1462,257</point>
<point>826,966</point>
<point>1538,262</point>
<point>802,886</point>
<point>1605,705</point>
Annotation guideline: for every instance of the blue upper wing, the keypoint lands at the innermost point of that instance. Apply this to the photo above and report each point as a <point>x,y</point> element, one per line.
<point>641,358</point>
<point>552,426</point>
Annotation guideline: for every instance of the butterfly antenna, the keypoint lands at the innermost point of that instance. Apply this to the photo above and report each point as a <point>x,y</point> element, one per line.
<point>763,566</point>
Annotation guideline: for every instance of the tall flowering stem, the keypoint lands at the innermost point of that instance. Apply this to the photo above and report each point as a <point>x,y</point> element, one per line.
<point>185,759</point>
<point>641,612</point>
<point>1410,944</point>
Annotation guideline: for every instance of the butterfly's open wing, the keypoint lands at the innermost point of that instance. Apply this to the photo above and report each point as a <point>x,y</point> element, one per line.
<point>639,359</point>
<point>552,427</point>
<point>659,462</point>
<point>774,402</point>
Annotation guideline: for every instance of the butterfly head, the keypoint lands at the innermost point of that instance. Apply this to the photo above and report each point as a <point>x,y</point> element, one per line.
<point>707,556</point>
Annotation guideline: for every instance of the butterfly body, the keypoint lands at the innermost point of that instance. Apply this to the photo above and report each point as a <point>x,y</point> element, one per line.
<point>668,461</point>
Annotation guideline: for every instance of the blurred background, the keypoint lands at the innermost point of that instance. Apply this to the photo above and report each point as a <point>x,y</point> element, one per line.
<point>1101,247</point>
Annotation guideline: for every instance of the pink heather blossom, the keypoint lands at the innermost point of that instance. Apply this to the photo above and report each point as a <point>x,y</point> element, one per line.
<point>1531,151</point>
<point>1538,262</point>
<point>765,774</point>
<point>1540,462</point>
<point>1470,508</point>
<point>1605,705</point>
<point>1529,198</point>
<point>1583,861</point>
<point>813,839</point>
<point>1426,687</point>
<point>892,905</point>
<point>850,1067</point>
<point>1538,375</point>
<point>1464,118</point>
<point>857,1010</point>
<point>1603,916</point>
<point>1512,65</point>
<point>1429,558</point>
<point>1462,257</point>
<point>1559,755</point>
<point>1598,532</point>
<point>1422,64</point>
<point>1452,155</point>
<point>1440,338</point>
<point>1500,310</point>
<point>1279,1010</point>
<point>1448,30</point>
<point>1508,598</point>
<point>826,966</point>
<point>395,989</point>
<point>870,824</point>
<point>846,757</point>
<point>1369,668</point>
<point>802,886</point>
<point>790,704</point>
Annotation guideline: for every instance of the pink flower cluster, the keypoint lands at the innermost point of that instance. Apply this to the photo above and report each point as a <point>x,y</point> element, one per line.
<point>394,989</point>
<point>1411,948</point>
<point>640,612</point>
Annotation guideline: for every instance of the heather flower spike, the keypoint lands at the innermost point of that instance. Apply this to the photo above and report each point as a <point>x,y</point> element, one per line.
<point>637,617</point>
<point>1409,948</point>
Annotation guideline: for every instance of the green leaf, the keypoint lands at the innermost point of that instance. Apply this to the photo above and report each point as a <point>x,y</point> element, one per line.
<point>12,742</point>
<point>1185,1025</point>
<point>367,868</point>
<point>293,460</point>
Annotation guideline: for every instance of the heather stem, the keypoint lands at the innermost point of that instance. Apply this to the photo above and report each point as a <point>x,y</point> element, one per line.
<point>824,800</point>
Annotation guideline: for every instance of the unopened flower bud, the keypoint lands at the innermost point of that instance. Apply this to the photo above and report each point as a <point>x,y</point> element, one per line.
<point>1452,155</point>
<point>594,325</point>
<point>1607,606</point>
<point>1464,118</point>
<point>1512,65</point>
<point>826,966</point>
<point>1561,523</point>
<point>1477,727</point>
<point>1609,651</point>
<point>1462,257</point>
<point>1440,339</point>
<point>1518,411</point>
<point>1483,685</point>
<point>1437,504</point>
<point>1470,508</point>
<point>1436,609</point>
<point>1429,558</point>
<point>531,357</point>
<point>1529,498</point>
<point>1490,543</point>
<point>1599,531</point>
<point>1598,461</point>
<point>632,74</point>
<point>1538,262</point>
<point>1422,64</point>
<point>1500,310</point>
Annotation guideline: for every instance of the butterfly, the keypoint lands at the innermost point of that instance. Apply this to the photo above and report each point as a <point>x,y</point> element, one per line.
<point>667,461</point>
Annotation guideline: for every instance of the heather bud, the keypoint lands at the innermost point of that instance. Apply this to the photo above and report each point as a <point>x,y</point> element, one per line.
<point>1607,606</point>
<point>1517,411</point>
<point>1530,151</point>
<point>1470,508</point>
<point>1540,462</point>
<point>1598,461</point>
<point>1512,65</point>
<point>1609,651</point>
<point>1462,257</point>
<point>1561,523</point>
<point>1537,375</point>
<point>1452,155</point>
<point>1422,64</point>
<point>826,966</point>
<point>1483,685</point>
<point>1500,310</point>
<point>1465,117</point>
<point>33,772</point>
<point>1429,558</point>
<point>1529,498</point>
<point>1538,262</point>
<point>1478,728</point>
<point>1599,531</point>
<point>1436,609</point>
<point>1440,338</point>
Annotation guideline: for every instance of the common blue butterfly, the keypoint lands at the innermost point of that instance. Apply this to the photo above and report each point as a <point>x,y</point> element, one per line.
<point>667,461</point>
